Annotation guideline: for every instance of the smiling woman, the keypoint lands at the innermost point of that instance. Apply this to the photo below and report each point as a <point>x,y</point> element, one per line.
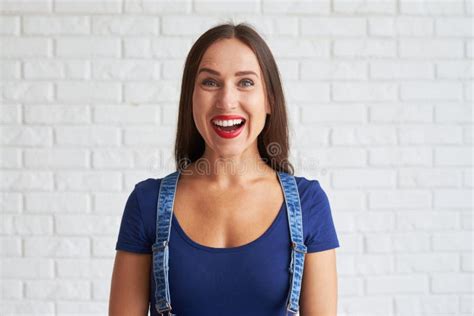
<point>243,236</point>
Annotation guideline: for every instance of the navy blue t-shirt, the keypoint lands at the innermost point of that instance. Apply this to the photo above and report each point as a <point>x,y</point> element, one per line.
<point>252,279</point>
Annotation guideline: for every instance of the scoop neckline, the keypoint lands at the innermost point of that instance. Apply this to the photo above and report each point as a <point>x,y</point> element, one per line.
<point>250,244</point>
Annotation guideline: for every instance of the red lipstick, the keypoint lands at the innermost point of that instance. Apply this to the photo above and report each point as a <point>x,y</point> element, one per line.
<point>228,132</point>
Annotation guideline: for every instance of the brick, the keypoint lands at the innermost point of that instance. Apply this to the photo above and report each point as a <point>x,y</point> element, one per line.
<point>148,136</point>
<point>28,307</point>
<point>399,199</point>
<point>401,114</point>
<point>299,48</point>
<point>58,157</point>
<point>456,113</point>
<point>367,135</point>
<point>431,48</point>
<point>112,159</point>
<point>10,158</point>
<point>10,114</point>
<point>427,262</point>
<point>172,47</point>
<point>452,241</point>
<point>27,268</point>
<point>104,246</point>
<point>26,6</point>
<point>431,91</point>
<point>321,159</point>
<point>26,92</point>
<point>425,135</point>
<point>414,242</point>
<point>88,6</point>
<point>125,25</point>
<point>179,25</point>
<point>158,6</point>
<point>81,308</point>
<point>85,225</point>
<point>88,92</point>
<point>86,181</point>
<point>452,7</point>
<point>454,70</point>
<point>417,221</point>
<point>57,289</point>
<point>57,114</point>
<point>428,304</point>
<point>374,264</point>
<point>56,69</point>
<point>307,91</point>
<point>87,136</point>
<point>147,92</point>
<point>85,268</point>
<point>406,26</point>
<point>375,221</point>
<point>56,202</point>
<point>137,48</point>
<point>9,25</point>
<point>360,178</point>
<point>453,156</point>
<point>57,247</point>
<point>125,70</point>
<point>401,70</point>
<point>429,178</point>
<point>334,26</point>
<point>27,180</point>
<point>362,48</point>
<point>214,6</point>
<point>401,156</point>
<point>171,69</point>
<point>451,283</point>
<point>333,69</point>
<point>10,247</point>
<point>88,47</point>
<point>454,27</point>
<point>362,6</point>
<point>364,91</point>
<point>10,69</point>
<point>452,198</point>
<point>10,290</point>
<point>296,7</point>
<point>56,25</point>
<point>22,47</point>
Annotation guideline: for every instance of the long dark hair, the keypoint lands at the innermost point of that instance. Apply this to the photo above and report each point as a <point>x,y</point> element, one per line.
<point>273,143</point>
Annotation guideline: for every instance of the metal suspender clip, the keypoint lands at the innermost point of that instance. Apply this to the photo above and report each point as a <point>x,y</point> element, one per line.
<point>158,247</point>
<point>299,247</point>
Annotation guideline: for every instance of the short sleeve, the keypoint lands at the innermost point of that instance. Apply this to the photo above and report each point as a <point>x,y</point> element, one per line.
<point>132,235</point>
<point>321,232</point>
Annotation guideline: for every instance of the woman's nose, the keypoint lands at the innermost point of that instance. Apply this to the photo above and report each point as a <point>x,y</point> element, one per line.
<point>227,98</point>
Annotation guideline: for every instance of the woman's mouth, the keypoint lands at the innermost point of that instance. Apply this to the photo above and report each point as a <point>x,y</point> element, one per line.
<point>228,128</point>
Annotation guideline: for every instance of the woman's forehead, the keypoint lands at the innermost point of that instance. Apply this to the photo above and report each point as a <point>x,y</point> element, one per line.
<point>231,54</point>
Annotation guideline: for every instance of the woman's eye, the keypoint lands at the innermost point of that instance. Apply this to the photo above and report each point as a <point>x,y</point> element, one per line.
<point>206,81</point>
<point>248,81</point>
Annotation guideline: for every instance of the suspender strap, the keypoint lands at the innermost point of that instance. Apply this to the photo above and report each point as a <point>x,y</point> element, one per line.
<point>160,247</point>
<point>298,248</point>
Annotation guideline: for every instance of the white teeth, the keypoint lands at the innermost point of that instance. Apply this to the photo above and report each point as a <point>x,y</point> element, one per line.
<point>227,122</point>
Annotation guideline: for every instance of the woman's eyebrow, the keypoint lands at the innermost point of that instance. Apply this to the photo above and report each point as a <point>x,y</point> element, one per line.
<point>238,73</point>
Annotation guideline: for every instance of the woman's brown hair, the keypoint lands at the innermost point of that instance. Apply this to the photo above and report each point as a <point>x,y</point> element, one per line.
<point>273,143</point>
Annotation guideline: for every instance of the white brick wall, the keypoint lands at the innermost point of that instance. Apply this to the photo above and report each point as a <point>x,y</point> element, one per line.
<point>89,92</point>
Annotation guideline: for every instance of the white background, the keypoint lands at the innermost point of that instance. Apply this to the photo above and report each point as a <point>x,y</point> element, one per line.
<point>380,100</point>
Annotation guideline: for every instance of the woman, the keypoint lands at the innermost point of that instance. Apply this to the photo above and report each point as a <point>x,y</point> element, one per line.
<point>220,236</point>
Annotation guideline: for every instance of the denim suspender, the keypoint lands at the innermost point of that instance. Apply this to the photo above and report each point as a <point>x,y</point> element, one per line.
<point>163,226</point>
<point>293,207</point>
<point>160,247</point>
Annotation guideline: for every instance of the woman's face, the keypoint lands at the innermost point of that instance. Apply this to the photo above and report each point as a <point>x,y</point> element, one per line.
<point>229,83</point>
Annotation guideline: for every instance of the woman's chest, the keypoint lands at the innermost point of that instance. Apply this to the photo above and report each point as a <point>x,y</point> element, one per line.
<point>227,219</point>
